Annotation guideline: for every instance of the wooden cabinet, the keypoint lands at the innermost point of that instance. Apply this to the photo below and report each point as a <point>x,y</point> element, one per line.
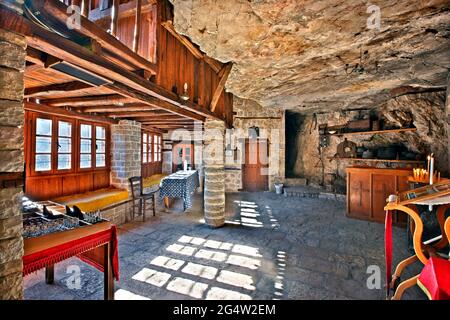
<point>368,188</point>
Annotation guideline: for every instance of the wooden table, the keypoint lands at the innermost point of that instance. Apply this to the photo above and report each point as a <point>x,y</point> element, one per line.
<point>181,184</point>
<point>94,244</point>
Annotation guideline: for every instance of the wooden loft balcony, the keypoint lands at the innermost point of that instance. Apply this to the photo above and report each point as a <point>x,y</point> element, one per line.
<point>96,73</point>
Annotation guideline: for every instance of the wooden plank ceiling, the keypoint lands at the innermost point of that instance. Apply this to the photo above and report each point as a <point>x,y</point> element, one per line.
<point>130,91</point>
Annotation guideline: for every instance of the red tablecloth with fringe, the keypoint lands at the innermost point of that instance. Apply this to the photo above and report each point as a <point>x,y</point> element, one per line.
<point>89,248</point>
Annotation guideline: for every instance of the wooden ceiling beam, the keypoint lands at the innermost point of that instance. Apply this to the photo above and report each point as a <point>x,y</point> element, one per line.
<point>66,113</point>
<point>55,88</point>
<point>146,115</point>
<point>87,101</point>
<point>114,108</point>
<point>196,52</point>
<point>152,101</point>
<point>223,74</point>
<point>153,129</point>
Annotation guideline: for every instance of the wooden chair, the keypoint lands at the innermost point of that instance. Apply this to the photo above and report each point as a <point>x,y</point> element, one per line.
<point>140,200</point>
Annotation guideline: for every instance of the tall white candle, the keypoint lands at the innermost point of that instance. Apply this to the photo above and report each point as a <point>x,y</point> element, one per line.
<point>431,170</point>
<point>185,165</point>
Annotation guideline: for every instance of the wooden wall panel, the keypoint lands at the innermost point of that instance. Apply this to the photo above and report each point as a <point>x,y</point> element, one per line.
<point>147,42</point>
<point>177,65</point>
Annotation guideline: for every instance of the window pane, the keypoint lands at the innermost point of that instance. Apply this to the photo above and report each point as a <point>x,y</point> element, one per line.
<point>86,131</point>
<point>43,145</point>
<point>65,129</point>
<point>100,160</point>
<point>64,161</point>
<point>85,146</point>
<point>155,148</point>
<point>100,133</point>
<point>155,139</point>
<point>101,145</point>
<point>64,145</point>
<point>43,162</point>
<point>188,151</point>
<point>144,157</point>
<point>43,127</point>
<point>85,161</point>
<point>159,139</point>
<point>144,138</point>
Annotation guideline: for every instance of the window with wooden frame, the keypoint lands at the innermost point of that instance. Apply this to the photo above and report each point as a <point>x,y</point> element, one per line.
<point>92,146</point>
<point>147,147</point>
<point>100,146</point>
<point>43,145</point>
<point>61,145</point>
<point>158,148</point>
<point>144,147</point>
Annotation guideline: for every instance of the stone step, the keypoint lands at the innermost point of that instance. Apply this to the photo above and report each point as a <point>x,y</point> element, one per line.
<point>295,182</point>
<point>308,192</point>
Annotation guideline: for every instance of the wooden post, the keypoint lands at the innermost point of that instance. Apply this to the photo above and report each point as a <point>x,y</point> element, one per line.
<point>137,26</point>
<point>85,8</point>
<point>115,17</point>
<point>50,274</point>
<point>108,277</point>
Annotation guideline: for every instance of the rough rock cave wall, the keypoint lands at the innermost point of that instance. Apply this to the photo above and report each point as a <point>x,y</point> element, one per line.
<point>429,116</point>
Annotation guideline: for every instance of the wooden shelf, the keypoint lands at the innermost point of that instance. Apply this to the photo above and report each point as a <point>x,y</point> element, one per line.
<point>378,160</point>
<point>374,132</point>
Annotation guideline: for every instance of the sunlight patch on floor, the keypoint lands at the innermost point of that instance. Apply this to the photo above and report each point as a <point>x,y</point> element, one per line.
<point>152,277</point>
<point>123,294</point>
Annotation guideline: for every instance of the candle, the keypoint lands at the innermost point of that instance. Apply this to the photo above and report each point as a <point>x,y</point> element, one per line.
<point>185,165</point>
<point>428,166</point>
<point>431,169</point>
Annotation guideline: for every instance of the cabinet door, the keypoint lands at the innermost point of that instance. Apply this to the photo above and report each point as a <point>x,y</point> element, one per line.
<point>359,195</point>
<point>382,186</point>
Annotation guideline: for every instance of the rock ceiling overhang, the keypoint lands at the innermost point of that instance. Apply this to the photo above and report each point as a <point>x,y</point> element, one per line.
<point>293,54</point>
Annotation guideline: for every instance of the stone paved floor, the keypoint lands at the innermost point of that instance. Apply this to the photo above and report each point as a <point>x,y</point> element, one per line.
<point>272,248</point>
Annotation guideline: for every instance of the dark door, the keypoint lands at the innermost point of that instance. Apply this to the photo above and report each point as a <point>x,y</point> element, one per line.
<point>255,173</point>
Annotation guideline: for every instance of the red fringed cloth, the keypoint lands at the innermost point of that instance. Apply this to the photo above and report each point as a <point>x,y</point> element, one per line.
<point>89,248</point>
<point>388,249</point>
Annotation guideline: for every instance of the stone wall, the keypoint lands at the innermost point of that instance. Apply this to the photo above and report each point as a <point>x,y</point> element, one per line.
<point>271,124</point>
<point>12,64</point>
<point>125,152</point>
<point>448,121</point>
<point>118,213</point>
<point>428,114</point>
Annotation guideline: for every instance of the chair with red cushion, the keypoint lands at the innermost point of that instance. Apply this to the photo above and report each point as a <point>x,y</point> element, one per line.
<point>434,279</point>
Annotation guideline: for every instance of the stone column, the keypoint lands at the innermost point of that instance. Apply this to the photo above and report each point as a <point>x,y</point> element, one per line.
<point>214,171</point>
<point>125,152</point>
<point>12,65</point>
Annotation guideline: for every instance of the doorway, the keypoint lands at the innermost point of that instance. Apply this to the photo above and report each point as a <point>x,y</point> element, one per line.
<point>181,152</point>
<point>255,171</point>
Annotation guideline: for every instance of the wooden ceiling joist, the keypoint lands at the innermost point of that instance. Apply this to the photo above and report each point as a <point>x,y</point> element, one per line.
<point>130,107</point>
<point>152,101</point>
<point>61,112</point>
<point>145,115</point>
<point>55,88</point>
<point>215,65</point>
<point>88,101</point>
